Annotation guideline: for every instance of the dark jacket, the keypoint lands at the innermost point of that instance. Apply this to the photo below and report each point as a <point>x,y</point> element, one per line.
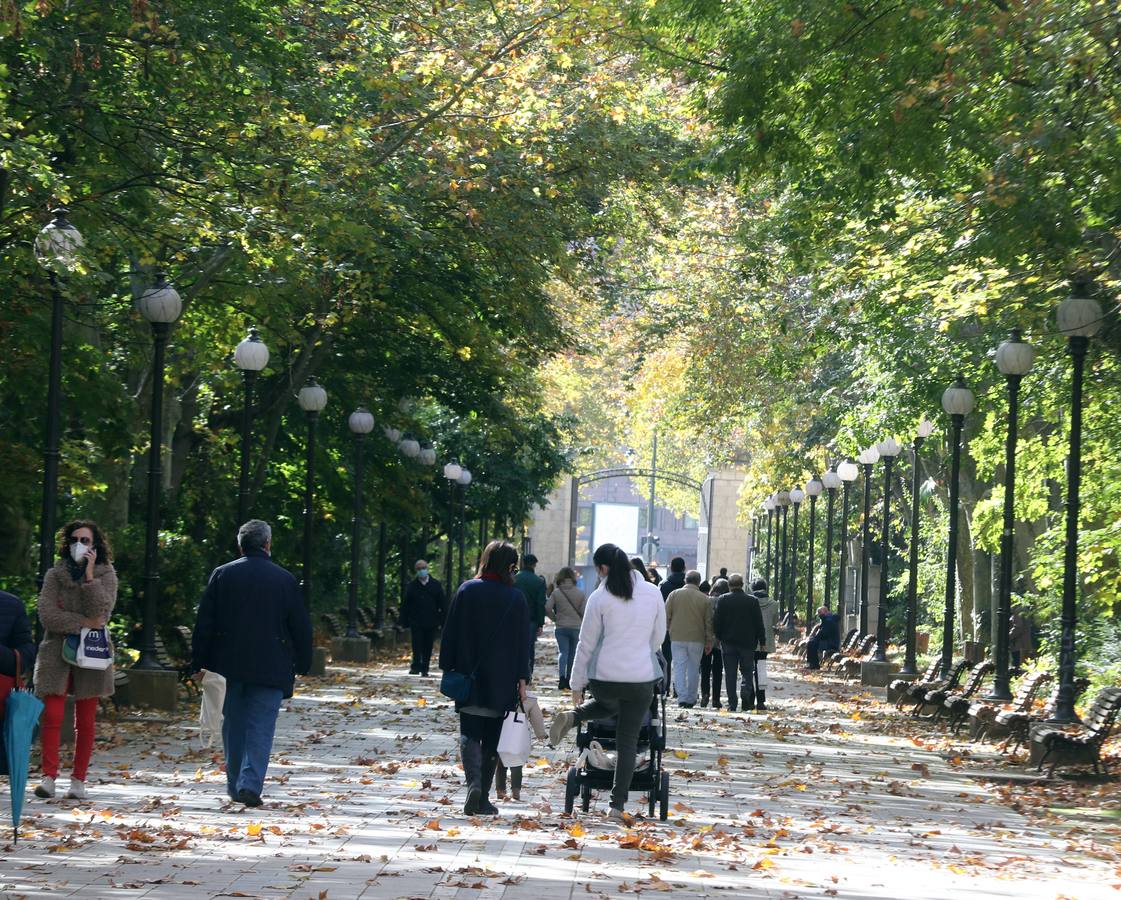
<point>674,580</point>
<point>424,604</point>
<point>829,635</point>
<point>15,634</point>
<point>487,633</point>
<point>532,586</point>
<point>252,624</point>
<point>738,620</point>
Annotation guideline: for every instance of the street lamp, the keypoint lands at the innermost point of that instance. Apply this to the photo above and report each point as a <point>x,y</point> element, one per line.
<point>782,501</point>
<point>769,507</point>
<point>1079,318</point>
<point>312,399</point>
<point>452,471</point>
<point>361,424</point>
<point>796,497</point>
<point>56,250</point>
<point>957,401</point>
<point>160,305</point>
<point>868,458</point>
<point>888,450</point>
<point>409,447</point>
<point>251,356</point>
<point>814,487</point>
<point>910,667</point>
<point>831,481</point>
<point>1014,359</point>
<point>463,480</point>
<point>393,435</point>
<point>427,455</point>
<point>847,472</point>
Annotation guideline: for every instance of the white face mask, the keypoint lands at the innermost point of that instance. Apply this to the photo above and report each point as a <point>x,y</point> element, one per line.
<point>78,551</point>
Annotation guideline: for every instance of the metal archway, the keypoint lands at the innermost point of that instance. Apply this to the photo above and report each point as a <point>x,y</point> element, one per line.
<point>635,472</point>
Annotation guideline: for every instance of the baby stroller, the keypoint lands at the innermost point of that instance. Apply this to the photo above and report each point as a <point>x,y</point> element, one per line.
<point>649,776</point>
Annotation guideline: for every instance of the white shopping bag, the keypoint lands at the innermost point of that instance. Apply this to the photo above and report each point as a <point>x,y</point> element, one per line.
<point>210,713</point>
<point>514,742</point>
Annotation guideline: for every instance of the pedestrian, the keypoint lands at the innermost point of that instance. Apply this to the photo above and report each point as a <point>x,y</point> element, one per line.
<point>689,622</point>
<point>79,591</point>
<point>422,612</point>
<point>769,608</point>
<point>565,607</point>
<point>532,586</point>
<point>252,628</point>
<point>537,725</point>
<point>17,652</point>
<point>1020,643</point>
<point>738,625</point>
<point>712,663</point>
<point>616,660</point>
<point>652,574</point>
<point>827,639</point>
<point>673,581</point>
<point>486,638</point>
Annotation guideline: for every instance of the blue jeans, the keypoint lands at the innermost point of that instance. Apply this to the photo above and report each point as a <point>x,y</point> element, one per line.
<point>567,639</point>
<point>247,730</point>
<point>687,669</point>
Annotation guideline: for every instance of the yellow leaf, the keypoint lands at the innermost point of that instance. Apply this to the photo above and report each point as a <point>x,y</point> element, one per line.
<point>680,754</point>
<point>421,701</point>
<point>764,863</point>
<point>253,830</point>
<point>576,830</point>
<point>722,760</point>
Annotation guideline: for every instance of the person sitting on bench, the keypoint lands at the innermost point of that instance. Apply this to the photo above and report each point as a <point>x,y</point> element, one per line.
<point>828,637</point>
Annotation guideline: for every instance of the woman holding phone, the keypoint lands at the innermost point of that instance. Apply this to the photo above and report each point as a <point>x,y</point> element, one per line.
<point>79,592</point>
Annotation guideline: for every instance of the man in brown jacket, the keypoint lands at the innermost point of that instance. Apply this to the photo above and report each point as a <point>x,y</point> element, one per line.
<point>689,622</point>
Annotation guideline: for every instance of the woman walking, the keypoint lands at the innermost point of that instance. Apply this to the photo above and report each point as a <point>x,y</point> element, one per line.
<point>79,592</point>
<point>617,660</point>
<point>486,637</point>
<point>565,607</point>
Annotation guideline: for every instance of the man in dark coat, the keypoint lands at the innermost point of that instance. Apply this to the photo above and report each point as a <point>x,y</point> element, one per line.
<point>828,637</point>
<point>738,624</point>
<point>532,586</point>
<point>423,613</point>
<point>674,581</point>
<point>252,628</point>
<point>15,637</point>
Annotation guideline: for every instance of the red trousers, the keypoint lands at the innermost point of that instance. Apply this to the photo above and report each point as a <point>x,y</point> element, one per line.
<point>85,717</point>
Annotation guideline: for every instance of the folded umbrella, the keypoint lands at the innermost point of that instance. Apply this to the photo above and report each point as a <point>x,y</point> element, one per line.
<point>21,715</point>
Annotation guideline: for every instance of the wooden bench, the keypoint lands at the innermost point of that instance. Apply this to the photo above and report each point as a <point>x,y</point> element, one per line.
<point>802,645</point>
<point>1014,726</point>
<point>856,651</point>
<point>956,704</point>
<point>982,713</point>
<point>916,693</point>
<point>850,667</point>
<point>898,688</point>
<point>846,645</point>
<point>1080,744</point>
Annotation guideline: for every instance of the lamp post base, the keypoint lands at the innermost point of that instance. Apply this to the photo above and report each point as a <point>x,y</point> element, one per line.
<point>350,649</point>
<point>878,674</point>
<point>156,688</point>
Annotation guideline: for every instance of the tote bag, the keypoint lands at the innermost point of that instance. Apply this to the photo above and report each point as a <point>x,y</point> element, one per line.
<point>514,742</point>
<point>88,650</point>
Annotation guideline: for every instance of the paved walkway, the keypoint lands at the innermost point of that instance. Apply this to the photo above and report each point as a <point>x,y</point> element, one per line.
<point>814,799</point>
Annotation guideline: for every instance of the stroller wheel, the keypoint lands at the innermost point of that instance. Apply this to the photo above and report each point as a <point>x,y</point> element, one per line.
<point>571,789</point>
<point>663,797</point>
<point>586,797</point>
<point>652,796</point>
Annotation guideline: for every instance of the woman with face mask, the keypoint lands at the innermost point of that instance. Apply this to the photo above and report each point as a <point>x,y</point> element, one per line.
<point>79,592</point>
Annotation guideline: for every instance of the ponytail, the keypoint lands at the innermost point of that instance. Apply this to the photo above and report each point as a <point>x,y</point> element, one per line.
<point>619,570</point>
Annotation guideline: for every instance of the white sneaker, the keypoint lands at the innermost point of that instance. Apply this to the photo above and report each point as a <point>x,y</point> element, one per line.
<point>77,790</point>
<point>45,789</point>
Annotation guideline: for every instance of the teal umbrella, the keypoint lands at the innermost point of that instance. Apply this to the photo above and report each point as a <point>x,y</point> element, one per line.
<point>21,715</point>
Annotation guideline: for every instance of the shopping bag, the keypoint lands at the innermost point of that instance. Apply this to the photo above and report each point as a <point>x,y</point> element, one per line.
<point>89,649</point>
<point>514,742</point>
<point>210,711</point>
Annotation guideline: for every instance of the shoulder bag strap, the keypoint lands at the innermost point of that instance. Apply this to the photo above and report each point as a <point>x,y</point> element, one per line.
<point>567,599</point>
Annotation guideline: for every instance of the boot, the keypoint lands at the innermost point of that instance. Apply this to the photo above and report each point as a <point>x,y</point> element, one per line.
<point>516,782</point>
<point>471,752</point>
<point>489,765</point>
<point>761,700</point>
<point>500,782</point>
<point>704,698</point>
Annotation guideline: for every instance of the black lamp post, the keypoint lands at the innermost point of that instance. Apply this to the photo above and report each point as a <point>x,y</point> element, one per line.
<point>868,458</point>
<point>463,480</point>
<point>312,399</point>
<point>796,497</point>
<point>361,424</point>
<point>769,506</point>
<point>1014,358</point>
<point>888,450</point>
<point>814,487</point>
<point>251,356</point>
<point>1079,318</point>
<point>847,471</point>
<point>160,305</point>
<point>56,248</point>
<point>957,400</point>
<point>783,501</point>
<point>452,471</point>
<point>831,481</point>
<point>909,663</point>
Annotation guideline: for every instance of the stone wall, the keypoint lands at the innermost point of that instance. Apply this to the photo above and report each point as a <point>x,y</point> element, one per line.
<point>726,541</point>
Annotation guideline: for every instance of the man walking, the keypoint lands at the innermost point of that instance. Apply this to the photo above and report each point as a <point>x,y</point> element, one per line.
<point>422,612</point>
<point>738,625</point>
<point>675,580</point>
<point>533,586</point>
<point>252,628</point>
<point>689,621</point>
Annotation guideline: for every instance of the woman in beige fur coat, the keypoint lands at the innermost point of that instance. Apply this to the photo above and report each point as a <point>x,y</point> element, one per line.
<point>79,592</point>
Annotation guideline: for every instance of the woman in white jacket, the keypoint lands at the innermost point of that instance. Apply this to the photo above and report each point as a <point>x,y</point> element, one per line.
<point>617,660</point>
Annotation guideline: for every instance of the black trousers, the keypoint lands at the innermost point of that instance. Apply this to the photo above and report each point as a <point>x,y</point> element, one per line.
<point>422,648</point>
<point>741,661</point>
<point>712,670</point>
<point>814,649</point>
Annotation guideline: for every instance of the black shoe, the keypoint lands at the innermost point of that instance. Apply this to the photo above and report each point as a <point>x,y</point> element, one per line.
<point>716,704</point>
<point>731,707</point>
<point>704,699</point>
<point>486,808</point>
<point>474,796</point>
<point>686,705</point>
<point>761,701</point>
<point>247,797</point>
<point>414,671</point>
